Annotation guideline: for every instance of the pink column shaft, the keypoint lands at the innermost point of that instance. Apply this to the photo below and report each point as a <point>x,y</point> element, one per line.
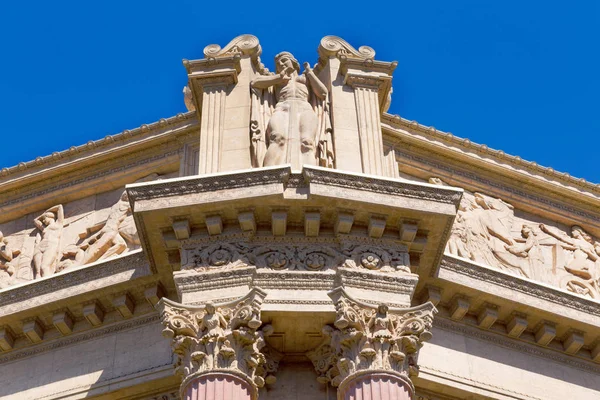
<point>217,386</point>
<point>376,386</point>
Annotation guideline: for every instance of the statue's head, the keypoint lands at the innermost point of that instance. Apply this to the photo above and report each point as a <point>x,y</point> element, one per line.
<point>210,308</point>
<point>527,230</point>
<point>578,233</point>
<point>48,217</point>
<point>286,60</point>
<point>383,309</point>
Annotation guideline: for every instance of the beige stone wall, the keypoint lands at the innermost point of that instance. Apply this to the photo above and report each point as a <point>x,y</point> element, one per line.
<point>455,363</point>
<point>297,381</point>
<point>92,367</point>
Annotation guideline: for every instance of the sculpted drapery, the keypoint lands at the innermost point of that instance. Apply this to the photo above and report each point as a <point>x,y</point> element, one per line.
<point>290,121</point>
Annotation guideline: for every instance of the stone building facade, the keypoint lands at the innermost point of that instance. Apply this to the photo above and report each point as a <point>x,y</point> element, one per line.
<point>287,238</point>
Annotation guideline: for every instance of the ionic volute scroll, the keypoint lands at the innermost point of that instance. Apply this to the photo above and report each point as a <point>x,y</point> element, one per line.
<point>223,337</point>
<point>371,338</point>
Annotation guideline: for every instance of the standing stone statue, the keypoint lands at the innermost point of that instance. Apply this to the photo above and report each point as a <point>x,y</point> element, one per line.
<point>290,120</point>
<point>46,252</point>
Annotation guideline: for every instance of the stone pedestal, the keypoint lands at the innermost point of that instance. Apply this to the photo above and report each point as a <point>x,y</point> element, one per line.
<point>371,385</point>
<point>218,386</point>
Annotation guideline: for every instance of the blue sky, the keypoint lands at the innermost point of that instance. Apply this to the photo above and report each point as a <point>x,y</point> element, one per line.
<point>523,77</point>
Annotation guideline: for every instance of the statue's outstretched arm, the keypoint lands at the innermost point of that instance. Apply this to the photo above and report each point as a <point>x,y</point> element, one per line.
<point>263,82</point>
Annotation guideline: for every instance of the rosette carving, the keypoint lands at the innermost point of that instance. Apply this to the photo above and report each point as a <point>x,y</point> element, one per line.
<point>377,259</point>
<point>215,256</point>
<point>220,337</point>
<point>299,258</point>
<point>365,337</point>
<point>335,46</point>
<point>243,44</point>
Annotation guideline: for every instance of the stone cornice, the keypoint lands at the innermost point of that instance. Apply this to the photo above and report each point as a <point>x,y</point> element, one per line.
<point>80,337</point>
<point>501,340</point>
<point>47,290</point>
<point>94,146</point>
<point>200,184</point>
<point>282,174</point>
<point>553,295</point>
<point>533,170</point>
<point>383,185</point>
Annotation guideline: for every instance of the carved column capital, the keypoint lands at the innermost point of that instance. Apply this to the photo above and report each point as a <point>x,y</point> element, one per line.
<point>221,338</point>
<point>371,338</point>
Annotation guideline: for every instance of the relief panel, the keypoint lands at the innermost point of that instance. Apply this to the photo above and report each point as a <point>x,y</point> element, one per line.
<point>490,231</point>
<point>66,236</point>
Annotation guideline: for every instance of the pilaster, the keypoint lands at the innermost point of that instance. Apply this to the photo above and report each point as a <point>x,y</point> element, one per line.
<point>372,349</point>
<point>366,94</point>
<point>357,111</point>
<point>218,348</point>
<point>209,80</point>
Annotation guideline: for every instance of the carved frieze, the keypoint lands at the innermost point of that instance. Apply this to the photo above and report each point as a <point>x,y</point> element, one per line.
<point>371,338</point>
<point>294,257</point>
<point>220,337</point>
<point>59,242</point>
<point>487,231</point>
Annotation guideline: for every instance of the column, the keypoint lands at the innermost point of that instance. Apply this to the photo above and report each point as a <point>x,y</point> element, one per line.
<point>218,348</point>
<point>371,352</point>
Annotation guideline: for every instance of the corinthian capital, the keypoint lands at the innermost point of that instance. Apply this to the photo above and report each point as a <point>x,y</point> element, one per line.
<point>371,338</point>
<point>223,338</point>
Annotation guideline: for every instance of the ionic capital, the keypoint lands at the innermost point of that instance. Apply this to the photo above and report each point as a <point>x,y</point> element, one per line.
<point>371,338</point>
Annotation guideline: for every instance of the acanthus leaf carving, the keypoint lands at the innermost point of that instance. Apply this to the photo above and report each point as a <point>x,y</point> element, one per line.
<point>366,337</point>
<point>220,337</point>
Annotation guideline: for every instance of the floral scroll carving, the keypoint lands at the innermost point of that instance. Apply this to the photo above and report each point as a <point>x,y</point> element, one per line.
<point>223,337</point>
<point>365,337</point>
<point>301,257</point>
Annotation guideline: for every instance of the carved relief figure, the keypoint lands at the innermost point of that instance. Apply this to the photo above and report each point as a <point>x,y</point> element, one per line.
<point>46,253</point>
<point>290,121</point>
<point>525,256</point>
<point>483,225</point>
<point>7,269</point>
<point>213,322</point>
<point>486,231</point>
<point>583,265</point>
<point>106,239</point>
<point>381,324</point>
